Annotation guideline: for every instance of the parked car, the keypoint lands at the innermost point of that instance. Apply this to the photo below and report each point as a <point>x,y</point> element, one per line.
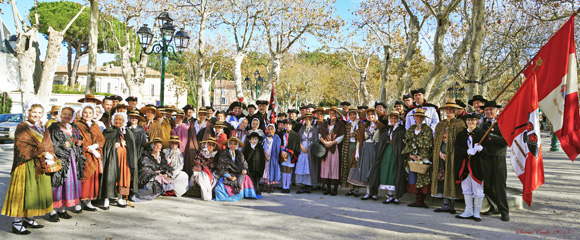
<point>6,117</point>
<point>8,128</point>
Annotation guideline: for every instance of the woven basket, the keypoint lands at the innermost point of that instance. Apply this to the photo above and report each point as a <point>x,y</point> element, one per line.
<point>52,169</point>
<point>419,168</point>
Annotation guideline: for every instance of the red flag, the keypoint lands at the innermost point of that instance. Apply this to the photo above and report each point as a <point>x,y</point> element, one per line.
<point>273,105</point>
<point>556,73</point>
<point>519,124</point>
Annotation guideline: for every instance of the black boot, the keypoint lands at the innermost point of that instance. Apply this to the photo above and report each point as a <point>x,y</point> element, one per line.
<point>334,190</point>
<point>327,190</point>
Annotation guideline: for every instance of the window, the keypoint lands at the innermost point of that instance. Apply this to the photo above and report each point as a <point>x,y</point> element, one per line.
<point>108,87</point>
<point>98,85</point>
<point>223,91</point>
<point>223,101</point>
<point>152,89</point>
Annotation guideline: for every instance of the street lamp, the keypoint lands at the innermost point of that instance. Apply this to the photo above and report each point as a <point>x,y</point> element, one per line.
<point>257,85</point>
<point>455,91</point>
<point>180,39</point>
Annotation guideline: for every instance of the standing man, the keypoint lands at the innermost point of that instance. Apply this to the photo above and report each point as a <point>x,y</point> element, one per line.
<point>408,100</point>
<point>477,102</point>
<point>432,118</point>
<point>108,106</point>
<point>262,115</point>
<point>235,118</point>
<point>132,102</point>
<point>189,111</point>
<point>493,164</point>
<point>460,113</point>
<point>345,106</point>
<point>400,107</point>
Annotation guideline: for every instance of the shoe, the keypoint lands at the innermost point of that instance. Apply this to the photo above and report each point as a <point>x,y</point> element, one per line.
<point>18,228</point>
<point>505,218</point>
<point>389,200</point>
<point>303,190</point>
<point>489,212</point>
<point>326,193</point>
<point>78,211</point>
<point>366,197</point>
<point>31,224</point>
<point>476,219</point>
<point>333,193</point>
<point>452,211</point>
<point>122,205</point>
<point>104,208</point>
<point>64,215</point>
<point>350,193</point>
<point>375,198</point>
<point>355,194</point>
<point>89,209</point>
<point>53,218</point>
<point>396,201</point>
<point>461,217</point>
<point>442,209</point>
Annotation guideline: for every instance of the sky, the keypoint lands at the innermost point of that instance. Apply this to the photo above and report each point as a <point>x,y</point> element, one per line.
<point>344,9</point>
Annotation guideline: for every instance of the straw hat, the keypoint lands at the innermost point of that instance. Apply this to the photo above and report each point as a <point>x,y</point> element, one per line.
<point>136,114</point>
<point>333,108</point>
<point>164,144</point>
<point>318,109</point>
<point>219,124</point>
<point>240,143</point>
<point>90,97</point>
<point>209,140</point>
<point>202,110</point>
<point>178,113</point>
<point>306,115</point>
<point>144,110</point>
<point>54,109</point>
<point>174,139</point>
<point>419,112</point>
<point>392,113</point>
<point>450,104</point>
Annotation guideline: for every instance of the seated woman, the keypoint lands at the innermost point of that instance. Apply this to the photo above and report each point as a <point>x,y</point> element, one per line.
<point>203,166</point>
<point>233,184</point>
<point>154,173</point>
<point>175,160</point>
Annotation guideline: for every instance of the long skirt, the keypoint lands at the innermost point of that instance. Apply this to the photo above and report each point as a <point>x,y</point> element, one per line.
<point>346,162</point>
<point>125,173</point>
<point>180,181</point>
<point>329,167</point>
<point>226,193</point>
<point>151,190</point>
<point>387,178</point>
<point>90,188</point>
<point>360,175</point>
<point>303,168</point>
<point>27,195</point>
<point>267,177</point>
<point>69,193</point>
<point>205,183</point>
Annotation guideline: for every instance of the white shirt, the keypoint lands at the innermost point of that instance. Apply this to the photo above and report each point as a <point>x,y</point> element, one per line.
<point>432,118</point>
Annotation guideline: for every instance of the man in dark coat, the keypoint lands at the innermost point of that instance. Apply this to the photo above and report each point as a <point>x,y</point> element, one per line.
<point>254,155</point>
<point>262,113</point>
<point>494,165</point>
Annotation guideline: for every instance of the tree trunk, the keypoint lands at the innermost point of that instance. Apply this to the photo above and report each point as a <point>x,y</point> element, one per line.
<point>477,22</point>
<point>403,77</point>
<point>27,53</point>
<point>363,88</point>
<point>273,76</point>
<point>50,63</point>
<point>93,43</point>
<point>75,68</point>
<point>442,27</point>
<point>385,75</point>
<point>238,60</point>
<point>204,85</point>
<point>69,64</point>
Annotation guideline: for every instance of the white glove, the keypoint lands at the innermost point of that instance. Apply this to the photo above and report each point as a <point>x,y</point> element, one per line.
<point>93,147</point>
<point>471,151</point>
<point>478,147</point>
<point>48,156</point>
<point>96,153</point>
<point>49,162</point>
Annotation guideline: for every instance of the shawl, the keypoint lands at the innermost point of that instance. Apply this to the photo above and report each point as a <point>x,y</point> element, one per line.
<point>399,160</point>
<point>227,165</point>
<point>346,142</point>
<point>339,130</point>
<point>140,137</point>
<point>59,140</point>
<point>175,160</point>
<point>446,129</point>
<point>91,135</point>
<point>149,168</point>
<point>274,165</point>
<point>255,159</point>
<point>30,146</point>
<point>422,145</point>
<point>204,161</point>
<point>165,130</point>
<point>155,131</point>
<point>360,136</point>
<point>109,157</point>
<point>190,151</point>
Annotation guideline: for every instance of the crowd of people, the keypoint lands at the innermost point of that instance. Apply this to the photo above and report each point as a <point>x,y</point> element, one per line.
<point>110,150</point>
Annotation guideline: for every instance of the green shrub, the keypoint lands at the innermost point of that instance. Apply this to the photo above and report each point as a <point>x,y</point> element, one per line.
<point>5,106</point>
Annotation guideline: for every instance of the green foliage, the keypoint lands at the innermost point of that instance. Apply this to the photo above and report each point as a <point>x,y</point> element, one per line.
<point>65,89</point>
<point>5,107</point>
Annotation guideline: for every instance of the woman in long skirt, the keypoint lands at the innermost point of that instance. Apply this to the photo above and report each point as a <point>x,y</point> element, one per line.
<point>234,184</point>
<point>203,168</point>
<point>272,145</point>
<point>174,157</point>
<point>93,142</point>
<point>348,151</point>
<point>66,183</point>
<point>308,135</point>
<point>332,133</point>
<point>368,136</point>
<point>29,191</point>
<point>392,172</point>
<point>154,173</point>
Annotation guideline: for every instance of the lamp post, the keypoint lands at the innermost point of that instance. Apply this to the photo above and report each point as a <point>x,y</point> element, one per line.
<point>180,39</point>
<point>455,91</point>
<point>257,84</point>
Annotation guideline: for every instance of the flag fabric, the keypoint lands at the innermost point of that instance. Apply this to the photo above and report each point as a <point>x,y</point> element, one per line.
<point>273,106</point>
<point>519,124</point>
<point>555,70</point>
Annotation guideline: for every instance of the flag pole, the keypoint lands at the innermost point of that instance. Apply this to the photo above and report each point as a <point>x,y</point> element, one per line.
<point>513,79</point>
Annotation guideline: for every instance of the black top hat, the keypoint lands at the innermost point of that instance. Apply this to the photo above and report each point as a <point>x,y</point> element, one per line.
<point>252,106</point>
<point>362,107</point>
<point>418,90</point>
<point>187,107</point>
<point>477,98</point>
<point>472,115</point>
<point>491,104</point>
<point>261,102</point>
<point>131,98</point>
<point>460,103</point>
<point>407,96</point>
<point>235,104</point>
<point>345,103</point>
<point>381,104</point>
<point>399,102</point>
<point>282,114</point>
<point>292,111</point>
<point>117,97</point>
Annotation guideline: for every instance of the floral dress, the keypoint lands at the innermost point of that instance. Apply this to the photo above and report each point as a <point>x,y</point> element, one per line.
<point>419,143</point>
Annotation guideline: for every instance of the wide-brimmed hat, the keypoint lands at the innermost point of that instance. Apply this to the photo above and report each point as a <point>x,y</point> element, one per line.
<point>460,103</point>
<point>311,105</point>
<point>89,97</point>
<point>167,108</point>
<point>318,109</point>
<point>335,109</point>
<point>381,104</point>
<point>255,134</point>
<point>54,109</point>
<point>240,143</point>
<point>418,90</point>
<point>419,112</point>
<point>121,105</point>
<point>202,110</point>
<point>209,140</point>
<point>136,114</point>
<point>187,107</point>
<point>164,144</point>
<point>144,110</point>
<point>352,109</point>
<point>477,98</point>
<point>174,138</point>
<point>345,103</point>
<point>371,109</point>
<point>450,104</point>
<point>392,113</point>
<point>178,113</point>
<point>306,115</point>
<point>491,104</point>
<point>302,107</point>
<point>219,124</point>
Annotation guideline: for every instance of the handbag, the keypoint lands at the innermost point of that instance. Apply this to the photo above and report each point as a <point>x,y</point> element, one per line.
<point>317,149</point>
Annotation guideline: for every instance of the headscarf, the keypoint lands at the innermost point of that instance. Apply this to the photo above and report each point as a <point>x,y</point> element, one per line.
<point>125,117</point>
<point>29,104</point>
<point>58,117</point>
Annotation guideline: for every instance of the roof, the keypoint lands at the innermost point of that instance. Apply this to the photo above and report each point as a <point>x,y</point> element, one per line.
<point>223,84</point>
<point>108,70</point>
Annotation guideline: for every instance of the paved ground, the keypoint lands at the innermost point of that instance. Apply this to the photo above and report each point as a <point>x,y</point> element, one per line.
<point>554,214</point>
